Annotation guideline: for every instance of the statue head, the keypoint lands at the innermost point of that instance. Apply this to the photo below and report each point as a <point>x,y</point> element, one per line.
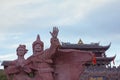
<point>21,50</point>
<point>37,45</point>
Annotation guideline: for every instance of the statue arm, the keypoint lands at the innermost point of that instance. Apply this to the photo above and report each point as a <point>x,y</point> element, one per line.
<point>28,61</point>
<point>54,43</point>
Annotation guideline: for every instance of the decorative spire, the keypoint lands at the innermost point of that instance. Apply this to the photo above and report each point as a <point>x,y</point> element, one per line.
<point>38,41</point>
<point>38,38</point>
<point>80,42</point>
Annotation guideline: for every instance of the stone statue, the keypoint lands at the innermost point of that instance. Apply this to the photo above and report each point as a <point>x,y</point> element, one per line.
<point>53,63</point>
<point>16,70</point>
<point>41,60</point>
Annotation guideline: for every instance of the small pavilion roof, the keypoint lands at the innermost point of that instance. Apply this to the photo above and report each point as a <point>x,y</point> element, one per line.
<point>105,58</point>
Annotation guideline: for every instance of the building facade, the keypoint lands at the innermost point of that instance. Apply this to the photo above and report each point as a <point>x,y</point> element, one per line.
<point>102,70</point>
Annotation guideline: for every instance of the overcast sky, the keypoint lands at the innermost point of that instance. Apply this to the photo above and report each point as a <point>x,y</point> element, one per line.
<point>90,20</point>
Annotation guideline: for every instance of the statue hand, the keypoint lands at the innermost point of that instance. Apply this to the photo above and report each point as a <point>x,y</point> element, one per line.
<point>55,32</point>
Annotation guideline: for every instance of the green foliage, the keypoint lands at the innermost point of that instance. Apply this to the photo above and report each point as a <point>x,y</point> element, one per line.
<point>2,75</point>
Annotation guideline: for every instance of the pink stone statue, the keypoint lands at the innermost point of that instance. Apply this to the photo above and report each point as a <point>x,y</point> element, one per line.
<point>15,69</point>
<point>41,61</point>
<point>53,63</point>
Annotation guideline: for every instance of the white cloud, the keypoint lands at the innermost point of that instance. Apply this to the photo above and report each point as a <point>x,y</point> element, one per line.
<point>74,10</point>
<point>8,57</point>
<point>5,36</point>
<point>67,12</point>
<point>7,4</point>
<point>13,11</point>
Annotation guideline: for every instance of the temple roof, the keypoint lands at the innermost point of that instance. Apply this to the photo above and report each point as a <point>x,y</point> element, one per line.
<point>102,60</point>
<point>105,58</point>
<point>6,63</point>
<point>92,46</point>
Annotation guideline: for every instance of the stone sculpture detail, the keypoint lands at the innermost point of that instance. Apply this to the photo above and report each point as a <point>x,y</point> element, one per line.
<point>16,68</point>
<point>41,60</point>
<point>53,63</point>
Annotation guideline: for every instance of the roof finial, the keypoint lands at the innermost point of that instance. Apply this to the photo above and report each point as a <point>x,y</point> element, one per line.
<point>80,41</point>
